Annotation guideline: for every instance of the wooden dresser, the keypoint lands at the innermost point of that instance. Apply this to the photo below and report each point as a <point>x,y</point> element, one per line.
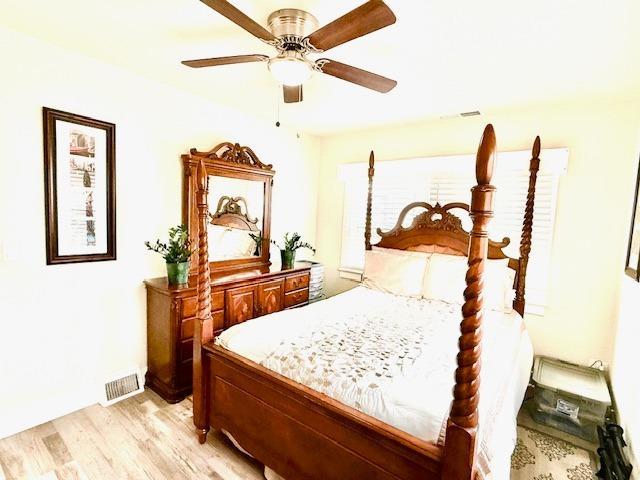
<point>236,297</point>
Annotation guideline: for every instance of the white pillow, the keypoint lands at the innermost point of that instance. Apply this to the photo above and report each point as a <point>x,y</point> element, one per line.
<point>214,237</point>
<point>233,243</point>
<point>397,273</point>
<point>445,280</point>
<point>237,243</point>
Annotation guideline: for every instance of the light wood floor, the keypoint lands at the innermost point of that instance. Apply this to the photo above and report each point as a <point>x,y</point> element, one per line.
<point>141,437</point>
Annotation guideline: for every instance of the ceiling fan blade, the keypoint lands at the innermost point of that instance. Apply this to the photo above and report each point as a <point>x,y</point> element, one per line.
<point>356,75</point>
<point>292,94</point>
<point>236,16</point>
<point>367,18</point>
<point>213,62</point>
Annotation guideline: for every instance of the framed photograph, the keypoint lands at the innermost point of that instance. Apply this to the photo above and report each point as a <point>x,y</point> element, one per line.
<point>80,188</point>
<point>633,255</point>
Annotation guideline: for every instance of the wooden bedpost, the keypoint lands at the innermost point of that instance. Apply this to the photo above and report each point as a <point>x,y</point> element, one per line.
<point>527,228</point>
<point>367,225</point>
<point>462,425</point>
<point>203,328</point>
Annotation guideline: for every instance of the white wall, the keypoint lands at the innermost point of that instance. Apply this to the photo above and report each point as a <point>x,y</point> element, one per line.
<point>64,328</point>
<point>591,226</point>
<point>625,378</point>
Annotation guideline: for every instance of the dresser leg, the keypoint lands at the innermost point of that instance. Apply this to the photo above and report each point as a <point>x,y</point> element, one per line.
<point>202,434</point>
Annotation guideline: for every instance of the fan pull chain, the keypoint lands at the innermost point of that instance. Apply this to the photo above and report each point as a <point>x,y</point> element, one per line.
<point>278,106</point>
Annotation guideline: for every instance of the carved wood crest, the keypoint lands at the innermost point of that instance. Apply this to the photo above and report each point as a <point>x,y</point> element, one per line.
<point>232,207</point>
<point>435,218</point>
<point>232,153</point>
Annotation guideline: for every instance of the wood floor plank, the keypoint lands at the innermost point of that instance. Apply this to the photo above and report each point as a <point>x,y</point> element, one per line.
<point>86,446</point>
<point>141,437</point>
<point>25,455</point>
<point>71,471</point>
<point>125,449</point>
<point>57,448</point>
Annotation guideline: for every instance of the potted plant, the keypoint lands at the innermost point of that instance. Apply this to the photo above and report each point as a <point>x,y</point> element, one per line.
<point>292,242</point>
<point>257,237</point>
<point>176,254</point>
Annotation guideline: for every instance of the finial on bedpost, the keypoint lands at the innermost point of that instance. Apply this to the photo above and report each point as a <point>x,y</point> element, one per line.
<point>460,442</point>
<point>367,225</point>
<point>203,331</point>
<point>527,229</point>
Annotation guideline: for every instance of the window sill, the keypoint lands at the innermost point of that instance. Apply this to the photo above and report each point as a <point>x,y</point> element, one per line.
<point>353,274</point>
<point>534,310</point>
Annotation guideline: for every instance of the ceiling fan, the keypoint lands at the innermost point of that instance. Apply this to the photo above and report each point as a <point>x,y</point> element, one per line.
<point>295,34</point>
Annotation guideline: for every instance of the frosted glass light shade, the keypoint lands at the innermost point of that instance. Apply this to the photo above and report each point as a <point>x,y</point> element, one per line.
<point>290,70</point>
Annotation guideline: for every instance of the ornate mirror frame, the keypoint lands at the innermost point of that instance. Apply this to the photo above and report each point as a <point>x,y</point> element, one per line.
<point>233,161</point>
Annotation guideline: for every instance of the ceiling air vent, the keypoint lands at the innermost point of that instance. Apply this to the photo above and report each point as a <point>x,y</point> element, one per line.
<point>472,113</point>
<point>122,386</point>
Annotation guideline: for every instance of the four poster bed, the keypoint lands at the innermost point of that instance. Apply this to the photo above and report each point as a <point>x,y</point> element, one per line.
<point>253,381</point>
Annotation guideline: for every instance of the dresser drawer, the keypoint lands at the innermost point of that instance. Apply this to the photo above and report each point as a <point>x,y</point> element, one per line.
<point>296,282</point>
<point>217,300</point>
<point>296,298</point>
<point>186,329</point>
<point>190,304</point>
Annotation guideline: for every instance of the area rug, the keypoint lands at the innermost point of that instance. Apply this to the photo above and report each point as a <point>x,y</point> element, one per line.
<point>538,456</point>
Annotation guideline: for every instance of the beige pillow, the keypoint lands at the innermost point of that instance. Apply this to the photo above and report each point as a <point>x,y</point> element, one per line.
<point>445,280</point>
<point>397,273</point>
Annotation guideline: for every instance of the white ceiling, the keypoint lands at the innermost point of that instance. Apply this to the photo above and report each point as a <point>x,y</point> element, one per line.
<point>447,56</point>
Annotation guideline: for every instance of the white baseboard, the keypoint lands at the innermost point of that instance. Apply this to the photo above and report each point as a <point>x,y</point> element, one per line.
<point>44,409</point>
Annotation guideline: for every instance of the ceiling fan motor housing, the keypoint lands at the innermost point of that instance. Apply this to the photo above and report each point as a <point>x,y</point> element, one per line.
<point>291,25</point>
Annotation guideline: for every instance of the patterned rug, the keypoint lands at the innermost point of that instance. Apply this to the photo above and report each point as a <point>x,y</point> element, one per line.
<point>540,457</point>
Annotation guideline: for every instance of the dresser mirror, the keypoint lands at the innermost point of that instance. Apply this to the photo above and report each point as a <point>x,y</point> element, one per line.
<point>239,201</point>
<point>236,214</point>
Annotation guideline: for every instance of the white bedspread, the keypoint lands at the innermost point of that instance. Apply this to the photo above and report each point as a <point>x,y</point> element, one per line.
<point>393,358</point>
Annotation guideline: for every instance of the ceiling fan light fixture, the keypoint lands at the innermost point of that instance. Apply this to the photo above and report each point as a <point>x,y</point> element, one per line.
<point>290,68</point>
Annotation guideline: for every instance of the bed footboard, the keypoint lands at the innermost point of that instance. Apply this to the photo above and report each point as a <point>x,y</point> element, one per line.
<point>300,433</point>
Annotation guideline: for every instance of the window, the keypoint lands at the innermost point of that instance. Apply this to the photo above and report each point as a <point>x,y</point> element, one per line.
<point>449,179</point>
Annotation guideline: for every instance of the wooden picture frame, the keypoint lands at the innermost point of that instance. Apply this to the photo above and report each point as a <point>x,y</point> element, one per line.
<point>632,267</point>
<point>80,188</point>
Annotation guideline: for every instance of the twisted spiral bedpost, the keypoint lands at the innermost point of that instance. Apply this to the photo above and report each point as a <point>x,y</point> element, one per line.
<point>367,225</point>
<point>527,229</point>
<point>460,442</point>
<point>203,331</point>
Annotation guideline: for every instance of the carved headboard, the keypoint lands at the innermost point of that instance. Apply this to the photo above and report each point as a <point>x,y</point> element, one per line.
<point>229,213</point>
<point>437,226</point>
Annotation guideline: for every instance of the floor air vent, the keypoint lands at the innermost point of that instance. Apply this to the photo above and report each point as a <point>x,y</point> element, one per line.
<point>122,386</point>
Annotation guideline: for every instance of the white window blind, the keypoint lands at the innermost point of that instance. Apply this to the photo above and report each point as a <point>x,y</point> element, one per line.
<point>449,179</point>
